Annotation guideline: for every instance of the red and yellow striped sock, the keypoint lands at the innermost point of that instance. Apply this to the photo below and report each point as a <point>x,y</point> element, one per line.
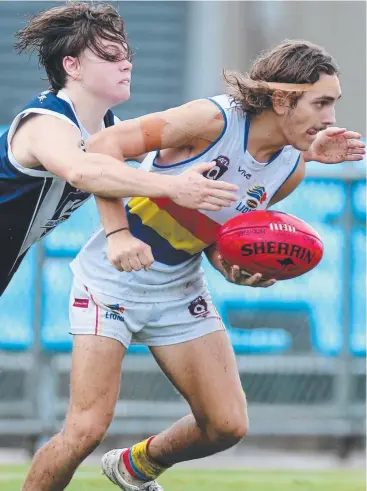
<point>139,464</point>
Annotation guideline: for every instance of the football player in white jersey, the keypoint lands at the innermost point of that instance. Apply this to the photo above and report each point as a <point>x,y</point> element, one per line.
<point>44,173</point>
<point>260,135</point>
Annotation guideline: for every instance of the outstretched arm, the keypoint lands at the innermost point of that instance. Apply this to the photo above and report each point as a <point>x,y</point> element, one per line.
<point>183,126</point>
<point>55,145</point>
<point>194,125</point>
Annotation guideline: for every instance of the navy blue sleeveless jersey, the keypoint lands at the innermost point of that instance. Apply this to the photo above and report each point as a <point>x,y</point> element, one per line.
<point>33,202</point>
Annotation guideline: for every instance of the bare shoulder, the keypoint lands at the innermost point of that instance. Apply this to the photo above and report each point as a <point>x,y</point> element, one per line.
<point>200,118</point>
<point>41,126</point>
<point>186,131</point>
<point>37,130</point>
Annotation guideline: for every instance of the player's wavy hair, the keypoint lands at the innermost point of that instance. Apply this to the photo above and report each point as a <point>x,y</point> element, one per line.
<point>68,31</point>
<point>295,62</point>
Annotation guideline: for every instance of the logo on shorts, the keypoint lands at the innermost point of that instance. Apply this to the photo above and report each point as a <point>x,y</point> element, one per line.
<point>116,312</point>
<point>116,308</point>
<point>81,303</point>
<point>198,307</point>
<point>114,317</point>
<point>219,169</point>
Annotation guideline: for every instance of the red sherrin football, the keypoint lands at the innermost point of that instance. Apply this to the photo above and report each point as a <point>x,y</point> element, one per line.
<point>273,243</point>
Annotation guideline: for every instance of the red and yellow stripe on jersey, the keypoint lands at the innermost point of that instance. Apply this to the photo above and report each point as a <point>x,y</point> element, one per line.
<point>174,233</point>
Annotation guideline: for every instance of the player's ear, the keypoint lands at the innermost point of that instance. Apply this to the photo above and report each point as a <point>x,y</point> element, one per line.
<point>71,66</point>
<point>280,102</point>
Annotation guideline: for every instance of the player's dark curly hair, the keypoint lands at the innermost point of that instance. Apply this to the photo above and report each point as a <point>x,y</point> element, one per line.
<point>68,31</point>
<point>291,62</point>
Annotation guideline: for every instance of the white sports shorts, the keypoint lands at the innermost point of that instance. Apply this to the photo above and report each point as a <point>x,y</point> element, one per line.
<point>151,324</point>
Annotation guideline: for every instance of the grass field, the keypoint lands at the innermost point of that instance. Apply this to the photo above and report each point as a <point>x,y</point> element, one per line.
<point>89,479</point>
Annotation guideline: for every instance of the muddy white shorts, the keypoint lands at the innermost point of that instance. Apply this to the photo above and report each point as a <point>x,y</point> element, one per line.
<point>152,324</point>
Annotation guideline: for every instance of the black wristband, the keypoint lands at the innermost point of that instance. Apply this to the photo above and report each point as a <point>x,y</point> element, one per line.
<point>117,230</point>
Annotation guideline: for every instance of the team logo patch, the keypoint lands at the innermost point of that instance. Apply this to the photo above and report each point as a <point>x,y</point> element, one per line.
<point>81,303</point>
<point>42,97</point>
<point>255,196</point>
<point>116,308</point>
<point>219,169</point>
<point>115,312</point>
<point>70,201</point>
<point>198,307</point>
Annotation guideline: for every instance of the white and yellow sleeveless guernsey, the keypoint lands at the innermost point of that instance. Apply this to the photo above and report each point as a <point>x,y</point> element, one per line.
<point>170,303</point>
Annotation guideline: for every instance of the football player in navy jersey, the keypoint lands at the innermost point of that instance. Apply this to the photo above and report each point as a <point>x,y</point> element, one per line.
<point>44,173</point>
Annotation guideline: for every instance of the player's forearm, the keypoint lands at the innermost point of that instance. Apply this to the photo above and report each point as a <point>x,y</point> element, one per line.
<point>106,177</point>
<point>113,214</point>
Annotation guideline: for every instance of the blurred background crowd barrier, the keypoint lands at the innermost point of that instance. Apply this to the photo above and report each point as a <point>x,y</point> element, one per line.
<point>301,344</point>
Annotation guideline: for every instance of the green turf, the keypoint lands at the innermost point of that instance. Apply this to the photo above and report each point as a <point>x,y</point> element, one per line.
<point>89,479</point>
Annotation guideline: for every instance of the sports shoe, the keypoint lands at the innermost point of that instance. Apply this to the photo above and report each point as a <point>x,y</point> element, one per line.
<point>123,479</point>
